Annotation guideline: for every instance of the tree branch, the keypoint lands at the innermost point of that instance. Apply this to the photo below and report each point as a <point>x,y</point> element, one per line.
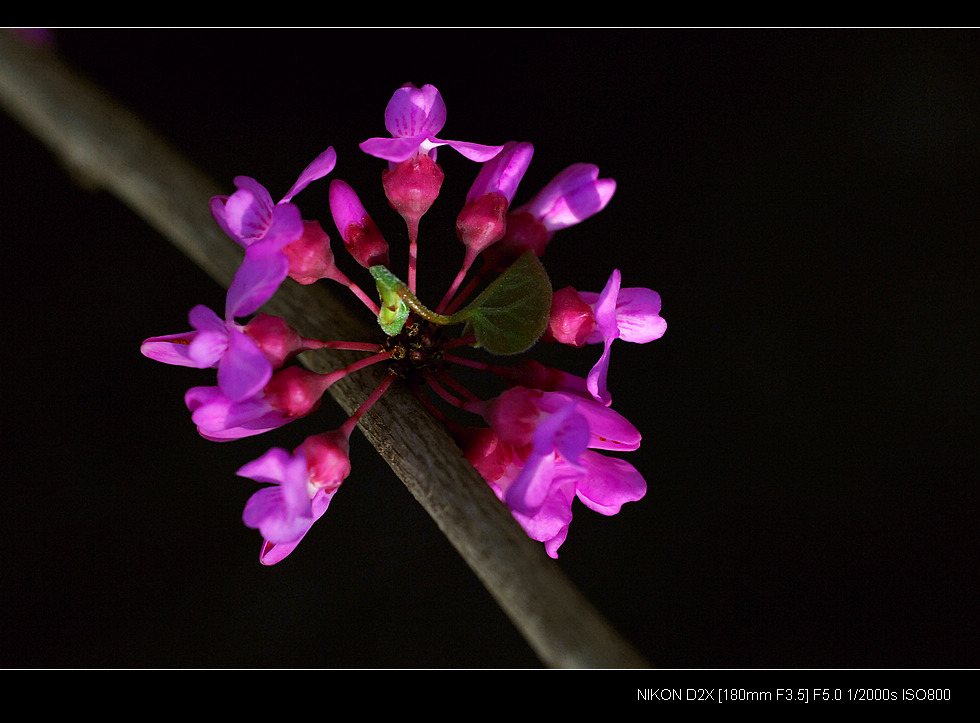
<point>108,147</point>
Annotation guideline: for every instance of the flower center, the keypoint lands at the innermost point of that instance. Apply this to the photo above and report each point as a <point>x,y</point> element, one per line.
<point>417,350</point>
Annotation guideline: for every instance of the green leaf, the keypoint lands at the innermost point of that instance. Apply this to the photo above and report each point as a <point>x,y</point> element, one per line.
<point>512,312</point>
<point>394,310</point>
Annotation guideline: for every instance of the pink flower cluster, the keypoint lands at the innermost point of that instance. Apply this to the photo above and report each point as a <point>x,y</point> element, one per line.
<point>549,437</point>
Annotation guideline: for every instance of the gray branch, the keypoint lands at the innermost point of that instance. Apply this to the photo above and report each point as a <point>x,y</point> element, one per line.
<point>103,144</point>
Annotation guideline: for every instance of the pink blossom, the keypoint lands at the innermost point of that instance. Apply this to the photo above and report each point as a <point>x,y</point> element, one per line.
<point>414,117</point>
<point>250,216</point>
<point>572,319</point>
<point>602,483</point>
<point>290,394</point>
<point>306,483</point>
<point>539,486</point>
<point>631,314</point>
<point>537,432</point>
<point>483,219</point>
<point>310,257</point>
<point>573,195</point>
<point>243,369</point>
<point>570,197</point>
<point>360,233</point>
<point>563,434</point>
<point>328,458</point>
<point>285,510</point>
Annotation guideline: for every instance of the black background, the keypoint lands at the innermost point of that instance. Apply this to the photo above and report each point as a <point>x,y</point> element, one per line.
<point>805,201</point>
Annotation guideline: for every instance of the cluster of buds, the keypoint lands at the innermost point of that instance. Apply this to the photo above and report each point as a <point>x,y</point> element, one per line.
<point>540,443</point>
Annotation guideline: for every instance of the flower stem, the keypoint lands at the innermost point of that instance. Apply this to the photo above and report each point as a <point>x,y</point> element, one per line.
<point>348,427</point>
<point>350,345</point>
<point>367,300</point>
<point>453,287</point>
<point>341,373</point>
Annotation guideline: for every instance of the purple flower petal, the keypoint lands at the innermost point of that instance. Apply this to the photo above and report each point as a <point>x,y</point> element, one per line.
<point>570,197</point>
<point>219,419</point>
<point>320,167</point>
<point>256,280</point>
<point>244,370</point>
<point>564,432</point>
<point>209,344</point>
<point>285,227</point>
<point>503,173</point>
<point>608,483</point>
<point>247,213</point>
<point>413,117</point>
<point>415,111</point>
<point>550,523</point>
<point>282,513</point>
<point>638,316</point>
<point>606,327</point>
<point>170,349</point>
<point>608,429</point>
<point>597,380</point>
<point>527,492</point>
<point>271,553</point>
<point>473,151</point>
<point>394,150</point>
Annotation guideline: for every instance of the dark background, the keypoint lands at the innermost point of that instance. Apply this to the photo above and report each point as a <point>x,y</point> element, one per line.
<point>804,201</point>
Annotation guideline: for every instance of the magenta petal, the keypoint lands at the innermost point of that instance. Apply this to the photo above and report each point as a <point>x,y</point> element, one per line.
<point>580,203</point>
<point>597,379</point>
<point>170,349</point>
<point>244,370</point>
<point>271,553</point>
<point>282,513</point>
<point>395,150</point>
<point>564,182</point>
<point>473,151</point>
<point>256,280</point>
<point>218,213</point>
<point>270,468</point>
<point>608,429</point>
<point>550,523</point>
<point>220,420</point>
<point>248,211</point>
<point>259,192</point>
<point>605,307</point>
<point>608,330</point>
<point>609,483</point>
<point>320,167</point>
<point>345,206</point>
<point>415,111</point>
<point>638,316</point>
<point>286,226</point>
<point>259,424</point>
<point>527,492</point>
<point>571,196</point>
<point>209,344</point>
<point>203,318</point>
<point>565,431</point>
<point>503,173</point>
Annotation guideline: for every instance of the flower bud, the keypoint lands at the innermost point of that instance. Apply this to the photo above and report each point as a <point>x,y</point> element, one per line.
<point>276,339</point>
<point>481,223</point>
<point>296,392</point>
<point>411,187</point>
<point>360,233</point>
<point>327,458</point>
<point>310,256</point>
<point>572,319</point>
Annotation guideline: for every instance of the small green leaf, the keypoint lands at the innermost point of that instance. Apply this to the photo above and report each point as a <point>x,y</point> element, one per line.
<point>394,310</point>
<point>512,312</point>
